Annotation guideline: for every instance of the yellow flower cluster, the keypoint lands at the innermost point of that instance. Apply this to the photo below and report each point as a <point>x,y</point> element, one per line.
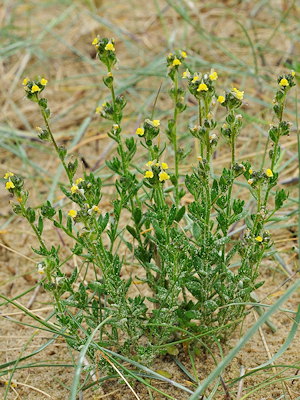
<point>163,175</point>
<point>109,46</point>
<point>9,184</point>
<point>35,88</point>
<point>174,60</point>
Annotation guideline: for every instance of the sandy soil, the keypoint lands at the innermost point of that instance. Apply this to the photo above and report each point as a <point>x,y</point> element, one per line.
<point>17,262</point>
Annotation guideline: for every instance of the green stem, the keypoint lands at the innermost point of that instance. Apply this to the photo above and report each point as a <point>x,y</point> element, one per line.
<point>208,209</point>
<point>33,228</point>
<point>232,164</point>
<point>55,144</point>
<point>175,144</point>
<point>57,300</point>
<point>228,211</point>
<point>273,161</point>
<point>200,124</point>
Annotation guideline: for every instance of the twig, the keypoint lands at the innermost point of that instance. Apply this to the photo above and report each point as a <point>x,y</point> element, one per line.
<point>241,383</point>
<point>33,297</point>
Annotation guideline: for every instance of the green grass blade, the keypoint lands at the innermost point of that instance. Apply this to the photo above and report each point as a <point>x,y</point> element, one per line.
<point>288,341</point>
<point>82,354</point>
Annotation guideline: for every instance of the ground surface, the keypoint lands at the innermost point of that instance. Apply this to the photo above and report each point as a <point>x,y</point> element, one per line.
<point>248,43</point>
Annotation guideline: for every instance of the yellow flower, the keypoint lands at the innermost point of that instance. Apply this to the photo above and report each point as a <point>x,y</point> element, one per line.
<point>156,123</point>
<point>213,76</point>
<point>98,110</point>
<point>35,88</point>
<point>199,158</point>
<point>284,82</point>
<point>96,209</point>
<point>72,213</point>
<point>109,74</point>
<point>212,137</point>
<point>250,171</point>
<point>293,73</point>
<point>202,87</point>
<point>195,79</point>
<point>95,42</point>
<point>183,54</point>
<point>140,131</point>
<point>221,99</point>
<point>269,173</point>
<point>250,181</point>
<point>238,93</point>
<point>259,239</point>
<point>79,180</point>
<point>43,81</point>
<point>149,163</point>
<point>8,174</point>
<point>9,185</point>
<point>41,269</point>
<point>164,165</point>
<point>163,176</point>
<point>110,47</point>
<point>170,55</point>
<point>176,62</point>
<point>25,81</point>
<point>74,189</point>
<point>148,174</point>
<point>186,74</point>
